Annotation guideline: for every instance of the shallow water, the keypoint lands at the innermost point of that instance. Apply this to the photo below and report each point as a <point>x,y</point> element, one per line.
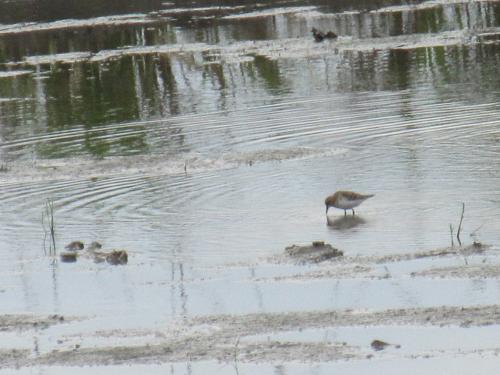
<point>197,137</point>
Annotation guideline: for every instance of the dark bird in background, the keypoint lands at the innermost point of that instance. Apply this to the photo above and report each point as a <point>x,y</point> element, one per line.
<point>331,35</point>
<point>319,36</point>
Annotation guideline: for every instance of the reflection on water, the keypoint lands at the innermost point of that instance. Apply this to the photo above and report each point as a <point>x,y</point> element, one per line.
<point>424,17</point>
<point>76,109</point>
<point>88,74</point>
<point>345,222</point>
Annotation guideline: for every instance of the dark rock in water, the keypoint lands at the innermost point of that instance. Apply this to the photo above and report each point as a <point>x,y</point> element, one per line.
<point>117,257</point>
<point>477,245</point>
<point>68,257</point>
<point>75,245</point>
<point>317,252</point>
<point>379,345</point>
<point>99,258</point>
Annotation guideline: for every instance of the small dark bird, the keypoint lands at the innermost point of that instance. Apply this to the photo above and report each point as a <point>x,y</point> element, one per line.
<point>319,36</point>
<point>345,200</point>
<point>331,35</point>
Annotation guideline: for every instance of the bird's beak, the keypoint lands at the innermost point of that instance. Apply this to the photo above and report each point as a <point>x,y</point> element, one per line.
<point>327,207</point>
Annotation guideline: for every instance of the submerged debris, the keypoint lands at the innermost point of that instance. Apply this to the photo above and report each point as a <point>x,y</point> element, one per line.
<point>477,245</point>
<point>94,245</point>
<point>379,345</point>
<point>475,248</point>
<point>117,257</point>
<point>68,257</point>
<point>114,257</point>
<point>317,252</point>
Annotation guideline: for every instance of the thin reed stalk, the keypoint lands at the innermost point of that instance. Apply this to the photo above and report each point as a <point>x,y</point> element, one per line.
<point>49,228</point>
<point>460,224</point>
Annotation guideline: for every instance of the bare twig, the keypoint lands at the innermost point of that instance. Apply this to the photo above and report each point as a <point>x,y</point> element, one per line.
<point>459,230</point>
<point>387,273</point>
<point>44,234</point>
<point>451,236</point>
<point>236,355</point>
<point>460,224</point>
<point>474,232</point>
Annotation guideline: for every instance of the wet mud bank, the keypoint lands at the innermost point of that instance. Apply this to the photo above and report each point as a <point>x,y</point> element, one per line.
<point>15,322</point>
<point>267,337</point>
<point>249,338</point>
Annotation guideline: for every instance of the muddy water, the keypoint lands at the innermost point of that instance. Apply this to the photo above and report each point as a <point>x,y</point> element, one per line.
<point>204,140</point>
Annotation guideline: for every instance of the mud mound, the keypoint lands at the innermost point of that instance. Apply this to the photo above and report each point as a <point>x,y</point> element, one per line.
<point>316,252</point>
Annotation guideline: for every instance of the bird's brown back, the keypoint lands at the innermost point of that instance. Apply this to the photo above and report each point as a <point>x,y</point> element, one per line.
<point>351,195</point>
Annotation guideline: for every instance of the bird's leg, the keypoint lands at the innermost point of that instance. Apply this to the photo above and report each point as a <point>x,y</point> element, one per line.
<point>352,211</point>
<point>345,213</point>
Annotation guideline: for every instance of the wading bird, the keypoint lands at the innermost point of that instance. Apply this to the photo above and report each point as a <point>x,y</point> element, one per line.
<point>345,200</point>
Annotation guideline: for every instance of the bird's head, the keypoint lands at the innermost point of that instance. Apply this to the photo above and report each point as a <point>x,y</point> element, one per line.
<point>329,202</point>
<point>327,205</point>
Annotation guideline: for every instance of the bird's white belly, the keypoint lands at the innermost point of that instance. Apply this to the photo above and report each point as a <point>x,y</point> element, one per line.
<point>347,204</point>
